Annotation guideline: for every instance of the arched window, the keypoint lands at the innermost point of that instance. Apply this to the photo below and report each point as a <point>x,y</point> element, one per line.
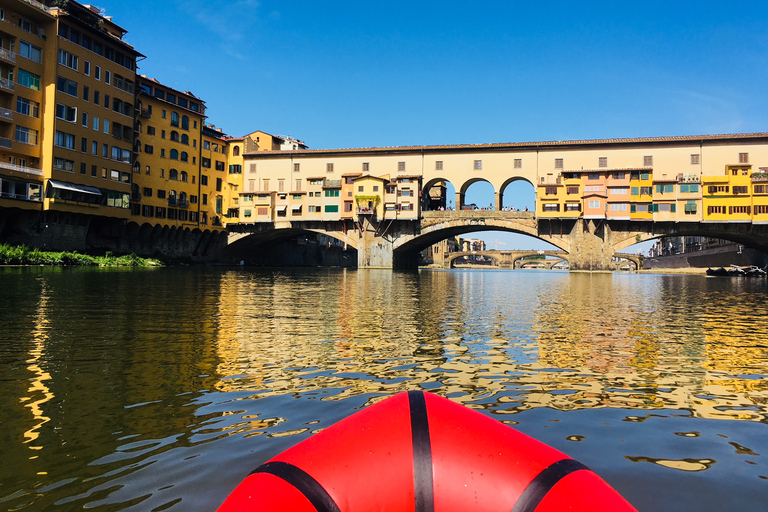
<point>136,166</point>
<point>184,123</point>
<point>184,176</point>
<point>172,197</point>
<point>184,156</point>
<point>174,119</point>
<point>236,150</point>
<point>174,154</point>
<point>173,174</point>
<point>185,139</point>
<point>182,197</point>
<point>174,136</point>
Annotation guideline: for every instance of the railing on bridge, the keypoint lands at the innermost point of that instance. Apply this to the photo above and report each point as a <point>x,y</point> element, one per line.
<point>477,214</point>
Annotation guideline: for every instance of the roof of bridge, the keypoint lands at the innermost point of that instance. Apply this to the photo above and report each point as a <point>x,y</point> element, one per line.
<point>522,145</point>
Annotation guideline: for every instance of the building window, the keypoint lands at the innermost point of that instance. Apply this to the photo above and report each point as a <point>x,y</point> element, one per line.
<point>66,113</point>
<point>64,140</point>
<point>558,163</point>
<point>400,166</point>
<point>518,163</point>
<point>695,159</point>
<point>67,59</point>
<point>175,119</point>
<point>647,161</point>
<point>30,51</point>
<point>366,166</point>
<point>26,135</point>
<point>32,80</point>
<point>478,165</point>
<point>602,161</point>
<point>743,158</point>
<point>572,190</point>
<point>594,204</point>
<point>62,164</point>
<point>27,107</point>
<point>328,167</point>
<point>439,165</point>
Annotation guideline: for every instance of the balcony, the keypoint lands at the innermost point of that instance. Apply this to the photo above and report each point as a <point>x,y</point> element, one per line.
<point>6,114</point>
<point>760,176</point>
<point>6,143</point>
<point>7,55</point>
<point>6,85</point>
<point>182,203</point>
<point>145,113</point>
<point>21,168</point>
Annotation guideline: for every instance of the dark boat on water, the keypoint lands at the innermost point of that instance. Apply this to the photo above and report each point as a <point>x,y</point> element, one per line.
<point>737,271</point>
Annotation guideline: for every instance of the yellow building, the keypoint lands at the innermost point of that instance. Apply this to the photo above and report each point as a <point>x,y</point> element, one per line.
<point>167,184</point>
<point>213,176</point>
<point>88,110</point>
<point>26,64</point>
<point>641,192</point>
<point>728,197</point>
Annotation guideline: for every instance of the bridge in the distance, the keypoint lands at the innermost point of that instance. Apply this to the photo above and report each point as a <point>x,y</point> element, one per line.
<point>593,198</point>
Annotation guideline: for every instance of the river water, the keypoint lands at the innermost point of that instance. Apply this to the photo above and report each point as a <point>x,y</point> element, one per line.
<point>160,389</point>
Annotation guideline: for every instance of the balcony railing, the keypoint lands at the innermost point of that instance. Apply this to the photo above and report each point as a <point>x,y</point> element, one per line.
<point>760,176</point>
<point>182,203</point>
<point>6,84</point>
<point>21,168</point>
<point>145,113</point>
<point>6,114</point>
<point>7,55</point>
<point>6,143</point>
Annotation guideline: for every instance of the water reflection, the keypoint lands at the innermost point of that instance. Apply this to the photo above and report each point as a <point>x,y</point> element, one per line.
<point>580,341</point>
<point>135,389</point>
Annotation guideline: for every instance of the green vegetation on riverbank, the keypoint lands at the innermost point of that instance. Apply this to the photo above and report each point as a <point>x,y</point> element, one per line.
<point>23,255</point>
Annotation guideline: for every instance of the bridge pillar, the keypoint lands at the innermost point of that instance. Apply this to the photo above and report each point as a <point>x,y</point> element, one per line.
<point>459,201</point>
<point>497,201</point>
<point>591,246</point>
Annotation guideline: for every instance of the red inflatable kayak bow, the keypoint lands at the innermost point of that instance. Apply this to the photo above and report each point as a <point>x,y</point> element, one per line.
<point>418,452</point>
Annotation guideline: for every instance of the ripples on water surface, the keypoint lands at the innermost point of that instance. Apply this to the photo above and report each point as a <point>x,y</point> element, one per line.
<point>161,389</point>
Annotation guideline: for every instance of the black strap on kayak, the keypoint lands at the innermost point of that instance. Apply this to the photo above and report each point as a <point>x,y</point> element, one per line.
<point>303,482</point>
<point>422,453</point>
<point>544,482</point>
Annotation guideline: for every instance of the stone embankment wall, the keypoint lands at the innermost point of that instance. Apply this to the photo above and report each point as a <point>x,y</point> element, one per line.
<point>724,256</point>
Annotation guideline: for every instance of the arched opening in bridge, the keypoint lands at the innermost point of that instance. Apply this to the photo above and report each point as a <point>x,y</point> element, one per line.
<point>437,195</point>
<point>518,194</point>
<point>290,248</point>
<point>478,194</point>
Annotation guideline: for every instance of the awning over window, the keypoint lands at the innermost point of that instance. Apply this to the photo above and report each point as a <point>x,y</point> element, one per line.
<point>282,208</point>
<point>296,208</point>
<point>85,189</point>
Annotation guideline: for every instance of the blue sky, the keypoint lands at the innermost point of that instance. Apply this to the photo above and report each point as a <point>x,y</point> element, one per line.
<point>361,74</point>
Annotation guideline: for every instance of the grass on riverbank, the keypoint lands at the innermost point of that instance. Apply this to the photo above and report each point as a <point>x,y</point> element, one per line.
<point>23,255</point>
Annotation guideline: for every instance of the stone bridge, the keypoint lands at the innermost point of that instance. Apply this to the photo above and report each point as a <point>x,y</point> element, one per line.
<point>590,244</point>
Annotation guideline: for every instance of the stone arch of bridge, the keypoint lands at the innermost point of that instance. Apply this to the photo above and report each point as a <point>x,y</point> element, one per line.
<point>509,181</point>
<point>427,204</point>
<point>523,262</point>
<point>439,231</point>
<point>455,256</point>
<point>462,190</point>
<point>241,239</point>
<point>627,258</point>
